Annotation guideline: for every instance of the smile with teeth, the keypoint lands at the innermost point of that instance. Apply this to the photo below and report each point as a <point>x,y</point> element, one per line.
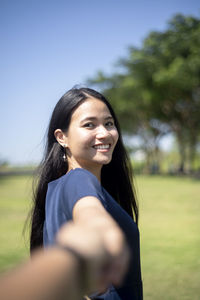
<point>106,146</point>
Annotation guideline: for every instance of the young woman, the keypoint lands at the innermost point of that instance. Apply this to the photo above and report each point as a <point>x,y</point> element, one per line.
<point>86,177</point>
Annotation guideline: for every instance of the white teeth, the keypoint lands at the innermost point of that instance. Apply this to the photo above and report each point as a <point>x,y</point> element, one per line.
<point>102,146</point>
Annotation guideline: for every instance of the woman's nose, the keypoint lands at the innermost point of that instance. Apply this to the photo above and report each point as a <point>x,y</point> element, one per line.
<point>102,132</point>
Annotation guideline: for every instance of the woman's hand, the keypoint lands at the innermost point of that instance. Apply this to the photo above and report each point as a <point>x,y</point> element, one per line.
<point>106,255</point>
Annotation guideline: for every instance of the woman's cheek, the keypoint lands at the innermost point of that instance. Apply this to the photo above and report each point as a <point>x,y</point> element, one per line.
<point>116,136</point>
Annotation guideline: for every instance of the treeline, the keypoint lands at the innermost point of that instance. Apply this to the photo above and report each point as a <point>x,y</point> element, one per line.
<point>7,169</point>
<point>157,90</point>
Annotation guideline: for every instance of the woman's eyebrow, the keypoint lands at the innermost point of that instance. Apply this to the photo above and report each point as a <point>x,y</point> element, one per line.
<point>95,118</point>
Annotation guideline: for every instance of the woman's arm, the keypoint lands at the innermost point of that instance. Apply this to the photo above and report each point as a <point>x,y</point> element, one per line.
<point>90,213</point>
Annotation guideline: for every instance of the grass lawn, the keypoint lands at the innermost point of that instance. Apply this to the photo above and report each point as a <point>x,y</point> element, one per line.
<point>169,227</point>
<point>15,200</point>
<point>170,239</point>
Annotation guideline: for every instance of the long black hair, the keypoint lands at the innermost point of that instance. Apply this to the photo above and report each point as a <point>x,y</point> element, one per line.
<point>116,177</point>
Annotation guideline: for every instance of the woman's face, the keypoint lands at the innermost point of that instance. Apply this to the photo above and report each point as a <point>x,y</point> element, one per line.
<point>91,136</point>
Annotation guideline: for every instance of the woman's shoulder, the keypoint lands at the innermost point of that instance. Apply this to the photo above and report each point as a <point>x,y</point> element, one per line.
<point>74,181</point>
<point>74,173</point>
<point>79,174</point>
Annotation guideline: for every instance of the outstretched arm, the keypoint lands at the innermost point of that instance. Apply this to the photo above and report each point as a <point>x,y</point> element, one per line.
<point>89,212</point>
<point>57,274</point>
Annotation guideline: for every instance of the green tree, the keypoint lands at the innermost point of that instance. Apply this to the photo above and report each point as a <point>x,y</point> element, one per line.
<point>159,89</point>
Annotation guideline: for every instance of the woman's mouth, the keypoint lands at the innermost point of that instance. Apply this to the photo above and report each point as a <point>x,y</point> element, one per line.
<point>102,146</point>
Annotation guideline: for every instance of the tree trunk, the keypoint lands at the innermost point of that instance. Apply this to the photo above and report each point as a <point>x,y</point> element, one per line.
<point>182,151</point>
<point>192,150</point>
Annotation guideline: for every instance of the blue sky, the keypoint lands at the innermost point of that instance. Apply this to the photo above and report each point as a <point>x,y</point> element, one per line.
<point>48,46</point>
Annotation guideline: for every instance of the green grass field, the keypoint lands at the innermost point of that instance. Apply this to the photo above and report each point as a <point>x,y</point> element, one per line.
<point>15,200</point>
<point>169,227</point>
<point>170,239</point>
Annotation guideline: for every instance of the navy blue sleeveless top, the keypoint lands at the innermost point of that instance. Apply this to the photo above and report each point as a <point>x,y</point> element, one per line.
<point>62,195</point>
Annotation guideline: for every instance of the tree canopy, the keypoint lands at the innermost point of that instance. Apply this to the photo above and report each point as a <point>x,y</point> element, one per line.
<point>158,90</point>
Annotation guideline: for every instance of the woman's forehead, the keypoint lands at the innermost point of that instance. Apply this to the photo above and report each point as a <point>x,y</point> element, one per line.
<point>91,108</point>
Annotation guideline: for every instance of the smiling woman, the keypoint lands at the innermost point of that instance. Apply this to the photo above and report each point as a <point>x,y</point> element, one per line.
<point>86,177</point>
<point>90,138</point>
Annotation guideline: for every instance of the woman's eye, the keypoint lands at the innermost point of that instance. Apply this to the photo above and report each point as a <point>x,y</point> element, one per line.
<point>110,124</point>
<point>89,125</point>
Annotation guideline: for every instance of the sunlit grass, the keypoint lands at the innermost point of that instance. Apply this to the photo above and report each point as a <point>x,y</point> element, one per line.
<point>170,240</point>
<point>15,199</point>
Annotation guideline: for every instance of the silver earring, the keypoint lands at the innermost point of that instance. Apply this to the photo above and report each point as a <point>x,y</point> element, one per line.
<point>64,155</point>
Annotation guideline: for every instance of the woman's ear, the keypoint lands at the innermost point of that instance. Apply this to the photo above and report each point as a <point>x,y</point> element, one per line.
<point>60,137</point>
